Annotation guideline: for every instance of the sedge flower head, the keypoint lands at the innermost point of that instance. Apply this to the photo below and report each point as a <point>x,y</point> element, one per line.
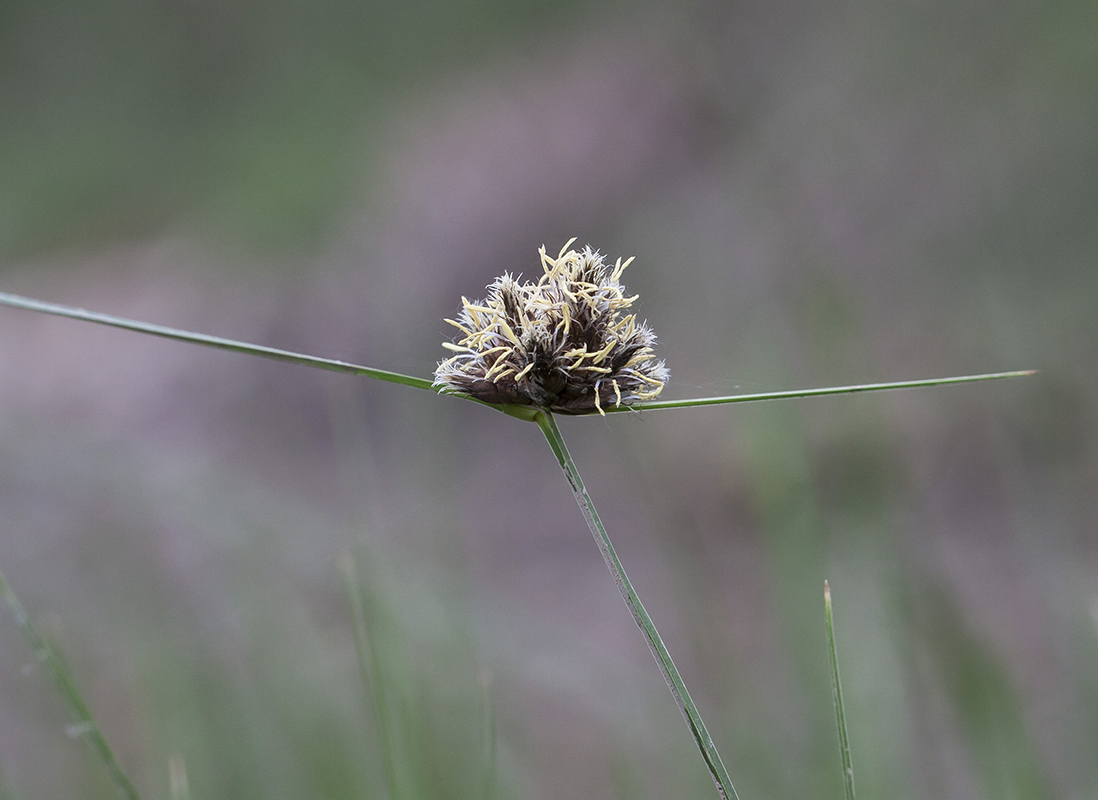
<point>567,343</point>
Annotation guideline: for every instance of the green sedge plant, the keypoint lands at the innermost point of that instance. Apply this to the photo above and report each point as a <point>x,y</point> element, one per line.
<point>565,344</point>
<point>837,696</point>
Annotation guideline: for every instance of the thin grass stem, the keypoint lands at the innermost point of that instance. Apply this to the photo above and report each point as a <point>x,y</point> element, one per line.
<point>369,669</point>
<point>527,413</point>
<point>675,683</point>
<point>656,405</point>
<point>27,303</point>
<point>84,724</point>
<point>837,690</point>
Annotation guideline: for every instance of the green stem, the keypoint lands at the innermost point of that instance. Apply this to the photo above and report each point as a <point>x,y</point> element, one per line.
<point>840,715</point>
<point>27,303</point>
<point>675,683</point>
<point>83,724</point>
<point>522,412</point>
<point>827,390</point>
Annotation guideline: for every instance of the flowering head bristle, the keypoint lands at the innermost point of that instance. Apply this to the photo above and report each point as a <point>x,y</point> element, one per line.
<point>566,343</point>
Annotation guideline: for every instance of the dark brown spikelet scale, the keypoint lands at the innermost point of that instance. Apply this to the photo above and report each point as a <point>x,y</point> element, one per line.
<point>510,295</point>
<point>566,343</point>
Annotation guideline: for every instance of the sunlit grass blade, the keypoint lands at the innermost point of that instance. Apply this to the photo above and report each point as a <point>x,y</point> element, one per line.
<point>370,672</point>
<point>655,643</point>
<point>27,303</point>
<point>829,390</point>
<point>837,691</point>
<point>83,724</point>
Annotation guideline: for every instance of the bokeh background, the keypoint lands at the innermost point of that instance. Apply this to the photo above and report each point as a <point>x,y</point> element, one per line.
<point>816,194</point>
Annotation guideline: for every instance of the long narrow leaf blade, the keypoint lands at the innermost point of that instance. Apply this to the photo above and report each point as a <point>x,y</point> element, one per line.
<point>84,724</point>
<point>369,671</point>
<point>15,301</point>
<point>524,412</point>
<point>837,693</point>
<point>829,390</point>
<point>658,649</point>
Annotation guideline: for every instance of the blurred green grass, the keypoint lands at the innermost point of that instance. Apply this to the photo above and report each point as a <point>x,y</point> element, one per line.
<point>248,123</point>
<point>815,196</point>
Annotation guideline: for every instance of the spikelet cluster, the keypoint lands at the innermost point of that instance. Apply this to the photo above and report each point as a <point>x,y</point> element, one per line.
<point>566,343</point>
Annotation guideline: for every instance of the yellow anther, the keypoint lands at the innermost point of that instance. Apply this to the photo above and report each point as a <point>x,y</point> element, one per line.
<point>510,334</point>
<point>459,326</point>
<point>631,319</point>
<point>619,268</point>
<point>599,356</point>
<point>498,366</point>
<point>547,262</point>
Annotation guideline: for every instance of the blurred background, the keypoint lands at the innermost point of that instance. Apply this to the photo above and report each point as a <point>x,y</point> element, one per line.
<point>816,194</point>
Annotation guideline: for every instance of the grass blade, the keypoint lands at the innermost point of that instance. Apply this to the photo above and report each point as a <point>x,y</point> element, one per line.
<point>15,301</point>
<point>655,405</point>
<point>83,725</point>
<point>370,672</point>
<point>659,651</point>
<point>840,715</point>
<point>522,412</point>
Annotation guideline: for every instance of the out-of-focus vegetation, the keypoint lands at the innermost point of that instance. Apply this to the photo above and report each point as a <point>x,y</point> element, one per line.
<point>246,120</point>
<point>815,195</point>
